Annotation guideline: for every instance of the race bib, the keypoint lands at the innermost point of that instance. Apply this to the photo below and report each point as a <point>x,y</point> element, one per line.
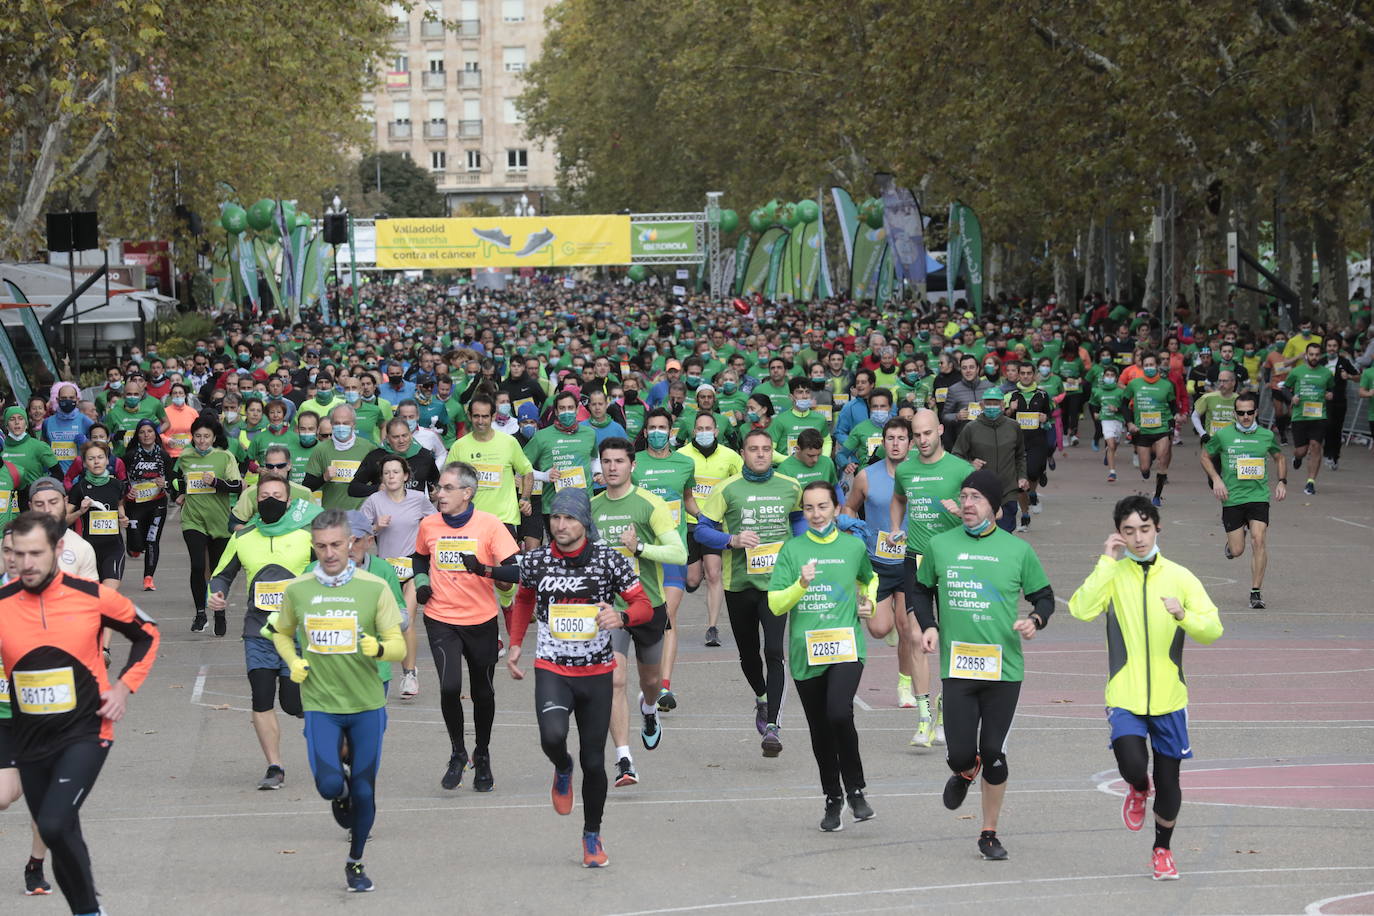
<point>146,491</point>
<point>763,558</point>
<point>196,484</point>
<point>317,495</point>
<point>571,477</point>
<point>1027,419</point>
<point>629,554</point>
<point>6,499</point>
<point>180,441</point>
<point>537,489</point>
<point>941,394</point>
<point>344,471</point>
<point>64,451</point>
<point>104,522</point>
<point>874,443</point>
<point>704,486</point>
<point>267,595</point>
<point>488,476</point>
<point>1073,384</point>
<point>887,549</point>
<point>1312,410</point>
<point>675,510</point>
<point>975,661</point>
<point>1151,418</point>
<point>1217,422</point>
<point>830,647</point>
<point>45,693</point>
<point>825,410</point>
<point>841,398</point>
<point>575,622</point>
<point>515,408</point>
<point>975,410</point>
<point>791,445</point>
<point>4,687</point>
<point>1249,468</point>
<point>331,635</point>
<point>404,567</point>
<point>448,553</point>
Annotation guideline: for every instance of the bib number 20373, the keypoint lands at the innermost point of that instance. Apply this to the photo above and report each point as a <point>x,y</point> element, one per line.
<point>975,661</point>
<point>831,647</point>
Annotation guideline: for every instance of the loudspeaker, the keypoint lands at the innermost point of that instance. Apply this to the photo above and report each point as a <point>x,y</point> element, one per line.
<point>335,229</point>
<point>73,231</point>
<point>191,218</point>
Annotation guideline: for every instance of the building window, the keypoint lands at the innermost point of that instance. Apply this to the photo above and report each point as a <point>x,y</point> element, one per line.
<point>401,112</point>
<point>513,10</point>
<point>474,160</point>
<point>513,59</point>
<point>517,160</point>
<point>512,113</point>
<point>436,61</point>
<point>406,154</point>
<point>401,64</point>
<point>436,110</point>
<point>438,160</point>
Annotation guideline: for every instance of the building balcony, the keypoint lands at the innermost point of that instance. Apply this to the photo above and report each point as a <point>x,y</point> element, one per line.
<point>400,31</point>
<point>431,28</point>
<point>469,28</point>
<point>398,130</point>
<point>470,79</point>
<point>470,130</point>
<point>436,130</point>
<point>466,178</point>
<point>433,80</point>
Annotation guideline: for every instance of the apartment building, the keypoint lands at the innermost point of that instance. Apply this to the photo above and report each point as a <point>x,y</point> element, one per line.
<point>447,99</point>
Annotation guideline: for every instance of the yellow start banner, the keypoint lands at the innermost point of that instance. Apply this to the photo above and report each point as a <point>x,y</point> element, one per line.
<point>528,241</point>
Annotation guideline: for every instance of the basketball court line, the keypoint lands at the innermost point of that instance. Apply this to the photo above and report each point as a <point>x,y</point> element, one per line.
<point>1317,907</point>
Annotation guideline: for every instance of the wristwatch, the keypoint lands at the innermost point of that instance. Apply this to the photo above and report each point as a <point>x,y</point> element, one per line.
<point>639,549</point>
<point>1284,481</point>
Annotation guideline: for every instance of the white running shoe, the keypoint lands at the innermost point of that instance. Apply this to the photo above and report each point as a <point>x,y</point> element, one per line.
<point>410,684</point>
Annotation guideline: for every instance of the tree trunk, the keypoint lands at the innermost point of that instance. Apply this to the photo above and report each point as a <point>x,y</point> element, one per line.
<point>1064,287</point>
<point>1333,270</point>
<point>1212,228</point>
<point>1092,261</point>
<point>1298,263</point>
<point>996,257</point>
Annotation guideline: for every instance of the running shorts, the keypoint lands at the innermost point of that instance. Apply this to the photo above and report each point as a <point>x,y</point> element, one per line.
<point>1168,733</point>
<point>1233,517</point>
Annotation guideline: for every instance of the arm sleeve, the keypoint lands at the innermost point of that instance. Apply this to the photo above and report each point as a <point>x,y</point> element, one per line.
<point>668,548</point>
<point>1197,420</point>
<point>709,533</point>
<point>782,600</point>
<point>638,610</point>
<point>508,571</point>
<point>1090,599</point>
<point>284,630</point>
<point>364,483</point>
<point>1042,604</point>
<point>228,568</point>
<point>120,614</point>
<point>522,612</point>
<point>923,605</point>
<point>1200,619</point>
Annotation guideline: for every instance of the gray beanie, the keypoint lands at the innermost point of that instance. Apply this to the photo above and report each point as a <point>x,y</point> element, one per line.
<point>574,503</point>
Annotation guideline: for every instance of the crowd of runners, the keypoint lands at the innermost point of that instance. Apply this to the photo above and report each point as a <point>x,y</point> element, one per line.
<point>581,459</point>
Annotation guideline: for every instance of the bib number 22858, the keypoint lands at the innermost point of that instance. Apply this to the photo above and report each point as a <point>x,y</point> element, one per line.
<point>975,661</point>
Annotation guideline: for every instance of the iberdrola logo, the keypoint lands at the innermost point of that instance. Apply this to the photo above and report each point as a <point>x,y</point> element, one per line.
<point>648,235</point>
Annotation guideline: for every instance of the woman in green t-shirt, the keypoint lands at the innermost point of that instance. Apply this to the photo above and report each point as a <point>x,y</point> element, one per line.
<point>824,582</point>
<point>207,483</point>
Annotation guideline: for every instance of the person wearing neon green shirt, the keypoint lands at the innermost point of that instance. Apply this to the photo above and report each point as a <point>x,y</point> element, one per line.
<point>715,463</point>
<point>823,582</point>
<point>501,465</point>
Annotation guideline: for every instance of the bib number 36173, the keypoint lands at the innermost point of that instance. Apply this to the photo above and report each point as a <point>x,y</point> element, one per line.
<point>975,661</point>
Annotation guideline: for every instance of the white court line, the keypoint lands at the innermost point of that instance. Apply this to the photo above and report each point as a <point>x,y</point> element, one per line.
<point>1193,674</point>
<point>1348,522</point>
<point>859,702</point>
<point>200,684</point>
<point>1315,907</point>
<point>918,889</point>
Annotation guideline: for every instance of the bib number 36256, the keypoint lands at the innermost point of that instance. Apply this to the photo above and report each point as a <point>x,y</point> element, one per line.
<point>975,661</point>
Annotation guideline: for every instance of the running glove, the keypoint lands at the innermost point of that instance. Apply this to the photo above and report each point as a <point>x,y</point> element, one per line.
<point>369,646</point>
<point>472,565</point>
<point>270,626</point>
<point>300,670</point>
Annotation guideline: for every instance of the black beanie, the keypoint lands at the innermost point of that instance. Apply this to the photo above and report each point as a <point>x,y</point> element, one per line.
<point>987,483</point>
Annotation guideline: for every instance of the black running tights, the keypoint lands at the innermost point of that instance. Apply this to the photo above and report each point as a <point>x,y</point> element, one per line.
<point>748,609</point>
<point>55,787</point>
<point>588,697</point>
<point>205,552</point>
<point>1132,758</point>
<point>828,701</point>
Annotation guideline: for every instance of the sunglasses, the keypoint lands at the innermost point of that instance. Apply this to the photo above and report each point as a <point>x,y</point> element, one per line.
<point>1245,413</point>
<point>276,467</point>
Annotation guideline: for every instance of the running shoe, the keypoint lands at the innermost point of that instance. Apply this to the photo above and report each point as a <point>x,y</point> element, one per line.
<point>651,732</point>
<point>1104,459</point>
<point>342,807</point>
<point>562,793</point>
<point>1073,440</point>
<point>625,774</point>
<point>593,853</point>
<point>1133,808</point>
<point>221,623</point>
<point>712,637</point>
<point>1025,524</point>
<point>990,848</point>
<point>1335,464</point>
<point>940,721</point>
<point>358,881</point>
<point>1226,551</point>
<point>1096,447</point>
<point>1036,508</point>
<point>859,806</point>
<point>1111,477</point>
<point>198,624</point>
<point>834,807</point>
<point>956,787</point>
<point>1311,488</point>
<point>905,698</point>
<point>772,742</point>
<point>925,733</point>
<point>410,684</point>
<point>761,715</point>
<point>666,701</point>
<point>1297,461</point>
<point>891,638</point>
<point>148,584</point>
<point>34,883</point>
<point>1163,864</point>
<point>482,779</point>
<point>1156,501</point>
<point>1256,600</point>
<point>453,776</point>
<point>274,778</point>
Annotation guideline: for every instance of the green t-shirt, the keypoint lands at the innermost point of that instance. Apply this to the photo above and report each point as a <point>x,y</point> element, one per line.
<point>552,448</point>
<point>1109,400</point>
<point>865,439</point>
<point>205,510</point>
<point>287,439</point>
<point>979,581</point>
<point>803,475</point>
<point>328,623</point>
<point>1309,386</point>
<point>925,487</point>
<point>496,462</point>
<point>763,508</point>
<point>31,456</point>
<point>1241,459</point>
<point>1151,404</point>
<point>668,479</point>
<point>649,515</point>
<point>634,419</point>
<point>787,426</point>
<point>121,419</point>
<point>345,462</point>
<point>383,570</point>
<point>830,601</point>
<point>371,415</point>
<point>1216,410</point>
<point>1367,382</point>
<point>778,394</point>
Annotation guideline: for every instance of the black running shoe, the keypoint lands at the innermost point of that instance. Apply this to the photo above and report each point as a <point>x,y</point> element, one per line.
<point>989,847</point>
<point>956,789</point>
<point>482,780</point>
<point>274,779</point>
<point>859,806</point>
<point>34,883</point>
<point>1297,462</point>
<point>834,807</point>
<point>358,881</point>
<point>1256,599</point>
<point>342,807</point>
<point>198,624</point>
<point>625,774</point>
<point>221,623</point>
<point>712,637</point>
<point>453,776</point>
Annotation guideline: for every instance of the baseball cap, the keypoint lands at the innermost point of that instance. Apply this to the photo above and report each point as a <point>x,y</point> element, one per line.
<point>358,524</point>
<point>672,364</point>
